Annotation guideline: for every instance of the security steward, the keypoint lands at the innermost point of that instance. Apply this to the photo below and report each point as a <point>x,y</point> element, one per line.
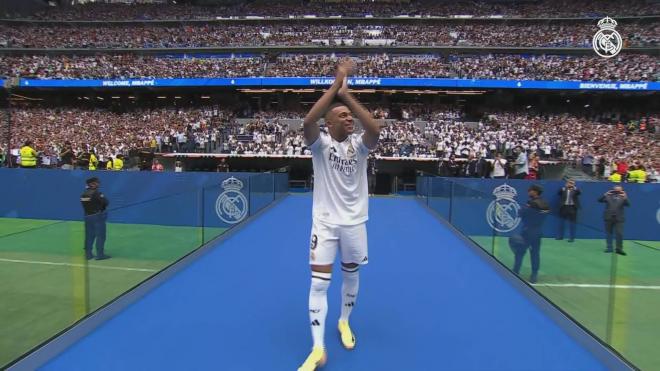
<point>28,156</point>
<point>532,216</point>
<point>117,163</point>
<point>93,161</point>
<point>94,204</point>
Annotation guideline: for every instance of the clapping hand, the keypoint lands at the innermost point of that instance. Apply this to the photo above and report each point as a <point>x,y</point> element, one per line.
<point>345,68</point>
<point>343,90</point>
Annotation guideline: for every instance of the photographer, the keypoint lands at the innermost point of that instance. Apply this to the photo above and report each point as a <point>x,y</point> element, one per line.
<point>67,156</point>
<point>569,197</point>
<point>499,167</point>
<point>616,199</point>
<point>521,165</point>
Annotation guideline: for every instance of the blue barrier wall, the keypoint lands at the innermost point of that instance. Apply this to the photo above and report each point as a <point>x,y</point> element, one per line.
<point>470,199</point>
<point>167,198</point>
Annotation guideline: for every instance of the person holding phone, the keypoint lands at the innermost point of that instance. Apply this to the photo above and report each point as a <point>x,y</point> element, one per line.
<point>569,196</point>
<point>616,199</point>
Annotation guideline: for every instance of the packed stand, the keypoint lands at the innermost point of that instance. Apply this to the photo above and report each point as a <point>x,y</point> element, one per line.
<point>528,34</point>
<point>595,144</point>
<point>543,9</point>
<point>128,66</point>
<point>542,67</point>
<point>624,67</point>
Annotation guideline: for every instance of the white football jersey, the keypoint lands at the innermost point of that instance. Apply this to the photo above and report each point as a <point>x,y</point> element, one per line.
<point>340,180</point>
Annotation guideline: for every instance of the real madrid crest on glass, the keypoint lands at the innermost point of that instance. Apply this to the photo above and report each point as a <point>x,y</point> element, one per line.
<point>232,206</point>
<point>607,42</point>
<point>502,213</point>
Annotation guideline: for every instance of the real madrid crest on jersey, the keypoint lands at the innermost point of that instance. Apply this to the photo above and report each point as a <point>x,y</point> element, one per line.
<point>607,42</point>
<point>350,152</point>
<point>232,206</point>
<point>502,213</point>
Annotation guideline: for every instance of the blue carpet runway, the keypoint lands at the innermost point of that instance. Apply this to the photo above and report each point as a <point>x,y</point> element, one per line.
<point>426,302</point>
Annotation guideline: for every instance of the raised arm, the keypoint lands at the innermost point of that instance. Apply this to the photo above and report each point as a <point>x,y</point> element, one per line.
<point>310,124</point>
<point>371,127</point>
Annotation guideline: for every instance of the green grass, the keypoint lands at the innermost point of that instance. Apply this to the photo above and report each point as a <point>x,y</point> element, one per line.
<point>47,284</point>
<point>635,317</point>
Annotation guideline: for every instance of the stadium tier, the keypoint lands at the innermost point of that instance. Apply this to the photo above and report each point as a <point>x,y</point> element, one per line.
<point>630,68</point>
<point>424,8</point>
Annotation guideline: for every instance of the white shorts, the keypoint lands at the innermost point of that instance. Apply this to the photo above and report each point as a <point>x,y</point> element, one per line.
<point>327,238</point>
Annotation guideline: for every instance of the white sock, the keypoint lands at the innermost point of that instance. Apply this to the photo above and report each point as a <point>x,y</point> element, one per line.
<point>318,306</point>
<point>349,290</point>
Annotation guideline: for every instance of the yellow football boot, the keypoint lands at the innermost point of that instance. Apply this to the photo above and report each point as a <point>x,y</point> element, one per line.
<point>317,358</point>
<point>347,337</point>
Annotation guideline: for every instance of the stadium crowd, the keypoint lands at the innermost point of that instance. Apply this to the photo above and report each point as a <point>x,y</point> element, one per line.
<point>527,34</point>
<point>624,67</point>
<point>442,133</point>
<point>543,9</point>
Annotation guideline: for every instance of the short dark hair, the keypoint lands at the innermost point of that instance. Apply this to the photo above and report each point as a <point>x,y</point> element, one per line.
<point>92,180</point>
<point>536,188</point>
<point>333,105</point>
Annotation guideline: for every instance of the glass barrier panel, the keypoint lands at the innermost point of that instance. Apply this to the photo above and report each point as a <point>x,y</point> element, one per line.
<point>439,196</point>
<point>49,283</point>
<point>281,184</point>
<point>467,208</point>
<point>223,208</point>
<point>43,275</point>
<point>140,239</point>
<point>574,274</point>
<point>262,191</point>
<point>634,314</point>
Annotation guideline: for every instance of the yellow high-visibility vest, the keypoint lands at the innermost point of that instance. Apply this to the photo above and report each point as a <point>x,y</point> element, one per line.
<point>641,176</point>
<point>93,162</point>
<point>616,178</point>
<point>28,157</point>
<point>117,164</point>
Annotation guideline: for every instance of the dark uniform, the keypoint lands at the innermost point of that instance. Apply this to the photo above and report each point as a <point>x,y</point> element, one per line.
<point>532,215</point>
<point>371,174</point>
<point>94,204</point>
<point>614,218</point>
<point>568,208</point>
